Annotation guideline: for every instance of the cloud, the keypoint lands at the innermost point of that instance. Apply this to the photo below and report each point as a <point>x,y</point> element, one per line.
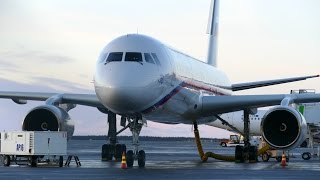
<point>4,65</point>
<point>7,66</point>
<point>61,85</point>
<point>36,56</point>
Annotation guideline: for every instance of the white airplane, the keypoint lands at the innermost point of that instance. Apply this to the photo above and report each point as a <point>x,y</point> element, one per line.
<point>142,79</point>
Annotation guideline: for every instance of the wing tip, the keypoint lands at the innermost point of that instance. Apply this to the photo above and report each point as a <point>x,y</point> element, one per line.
<point>314,76</point>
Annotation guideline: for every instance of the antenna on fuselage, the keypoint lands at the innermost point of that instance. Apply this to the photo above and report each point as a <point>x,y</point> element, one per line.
<point>213,32</point>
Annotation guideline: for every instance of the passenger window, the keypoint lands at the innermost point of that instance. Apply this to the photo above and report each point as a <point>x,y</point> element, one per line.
<point>155,57</point>
<point>115,56</point>
<point>148,58</point>
<point>133,56</point>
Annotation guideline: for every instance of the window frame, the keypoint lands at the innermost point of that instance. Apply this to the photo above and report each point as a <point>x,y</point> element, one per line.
<point>106,59</point>
<point>145,59</point>
<point>156,59</point>
<point>125,56</point>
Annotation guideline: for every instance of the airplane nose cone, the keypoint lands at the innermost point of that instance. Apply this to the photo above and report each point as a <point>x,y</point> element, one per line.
<point>127,89</point>
<point>122,99</point>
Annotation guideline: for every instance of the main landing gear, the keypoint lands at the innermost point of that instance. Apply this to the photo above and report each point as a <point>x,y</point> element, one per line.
<point>114,150</point>
<point>246,152</point>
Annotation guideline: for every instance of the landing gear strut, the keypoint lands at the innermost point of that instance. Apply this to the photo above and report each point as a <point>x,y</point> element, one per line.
<point>112,150</point>
<point>247,152</point>
<point>136,154</point>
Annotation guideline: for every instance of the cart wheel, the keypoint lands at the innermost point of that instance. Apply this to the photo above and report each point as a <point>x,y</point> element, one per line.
<point>306,155</point>
<point>6,160</point>
<point>265,157</point>
<point>60,161</point>
<point>34,161</point>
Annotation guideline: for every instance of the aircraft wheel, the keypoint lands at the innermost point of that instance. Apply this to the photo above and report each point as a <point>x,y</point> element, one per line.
<point>253,154</point>
<point>118,151</point>
<point>141,158</point>
<point>306,155</point>
<point>60,161</point>
<point>106,154</point>
<point>265,157</point>
<point>223,144</point>
<point>129,158</point>
<point>6,160</point>
<point>239,154</point>
<point>120,148</point>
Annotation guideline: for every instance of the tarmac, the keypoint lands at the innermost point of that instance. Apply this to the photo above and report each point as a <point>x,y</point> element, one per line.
<point>166,160</point>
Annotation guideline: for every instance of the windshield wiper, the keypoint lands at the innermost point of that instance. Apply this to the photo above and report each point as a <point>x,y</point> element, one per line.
<point>139,62</point>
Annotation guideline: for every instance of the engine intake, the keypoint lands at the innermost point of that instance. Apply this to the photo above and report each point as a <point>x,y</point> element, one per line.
<point>48,118</point>
<point>283,127</point>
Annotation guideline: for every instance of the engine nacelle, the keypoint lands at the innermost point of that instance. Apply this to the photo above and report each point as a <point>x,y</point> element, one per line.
<point>283,128</point>
<point>48,118</point>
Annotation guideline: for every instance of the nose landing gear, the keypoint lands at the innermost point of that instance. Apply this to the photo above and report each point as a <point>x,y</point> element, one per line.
<point>136,154</point>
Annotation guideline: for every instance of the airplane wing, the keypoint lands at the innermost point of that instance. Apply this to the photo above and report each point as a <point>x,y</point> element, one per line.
<point>81,99</point>
<point>251,85</point>
<point>211,105</point>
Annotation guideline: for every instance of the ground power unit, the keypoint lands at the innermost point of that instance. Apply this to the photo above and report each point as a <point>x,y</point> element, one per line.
<point>33,147</point>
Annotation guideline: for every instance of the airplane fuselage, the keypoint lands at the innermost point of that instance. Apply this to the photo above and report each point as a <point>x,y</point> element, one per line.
<point>236,120</point>
<point>136,74</point>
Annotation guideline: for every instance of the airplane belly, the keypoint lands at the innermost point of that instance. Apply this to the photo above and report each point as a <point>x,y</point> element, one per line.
<point>175,109</point>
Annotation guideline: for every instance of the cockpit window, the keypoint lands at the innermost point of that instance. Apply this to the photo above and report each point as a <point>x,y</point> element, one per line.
<point>155,57</point>
<point>148,58</point>
<point>133,56</point>
<point>115,56</point>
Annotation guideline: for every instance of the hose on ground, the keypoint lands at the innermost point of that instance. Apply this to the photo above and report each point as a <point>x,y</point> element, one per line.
<point>204,156</point>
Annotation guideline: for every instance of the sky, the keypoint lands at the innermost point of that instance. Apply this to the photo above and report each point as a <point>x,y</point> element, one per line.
<point>52,46</point>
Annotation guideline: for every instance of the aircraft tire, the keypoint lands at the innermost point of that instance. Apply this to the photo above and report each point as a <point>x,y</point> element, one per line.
<point>141,158</point>
<point>239,154</point>
<point>120,148</point>
<point>106,154</point>
<point>129,158</point>
<point>253,153</point>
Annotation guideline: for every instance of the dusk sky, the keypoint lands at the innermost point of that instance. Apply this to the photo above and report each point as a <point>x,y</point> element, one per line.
<point>52,46</point>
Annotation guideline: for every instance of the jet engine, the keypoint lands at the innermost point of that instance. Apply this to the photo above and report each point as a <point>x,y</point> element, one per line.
<point>48,118</point>
<point>283,128</point>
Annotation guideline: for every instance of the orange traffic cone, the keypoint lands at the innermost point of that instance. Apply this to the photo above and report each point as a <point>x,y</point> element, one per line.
<point>123,161</point>
<point>283,160</point>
